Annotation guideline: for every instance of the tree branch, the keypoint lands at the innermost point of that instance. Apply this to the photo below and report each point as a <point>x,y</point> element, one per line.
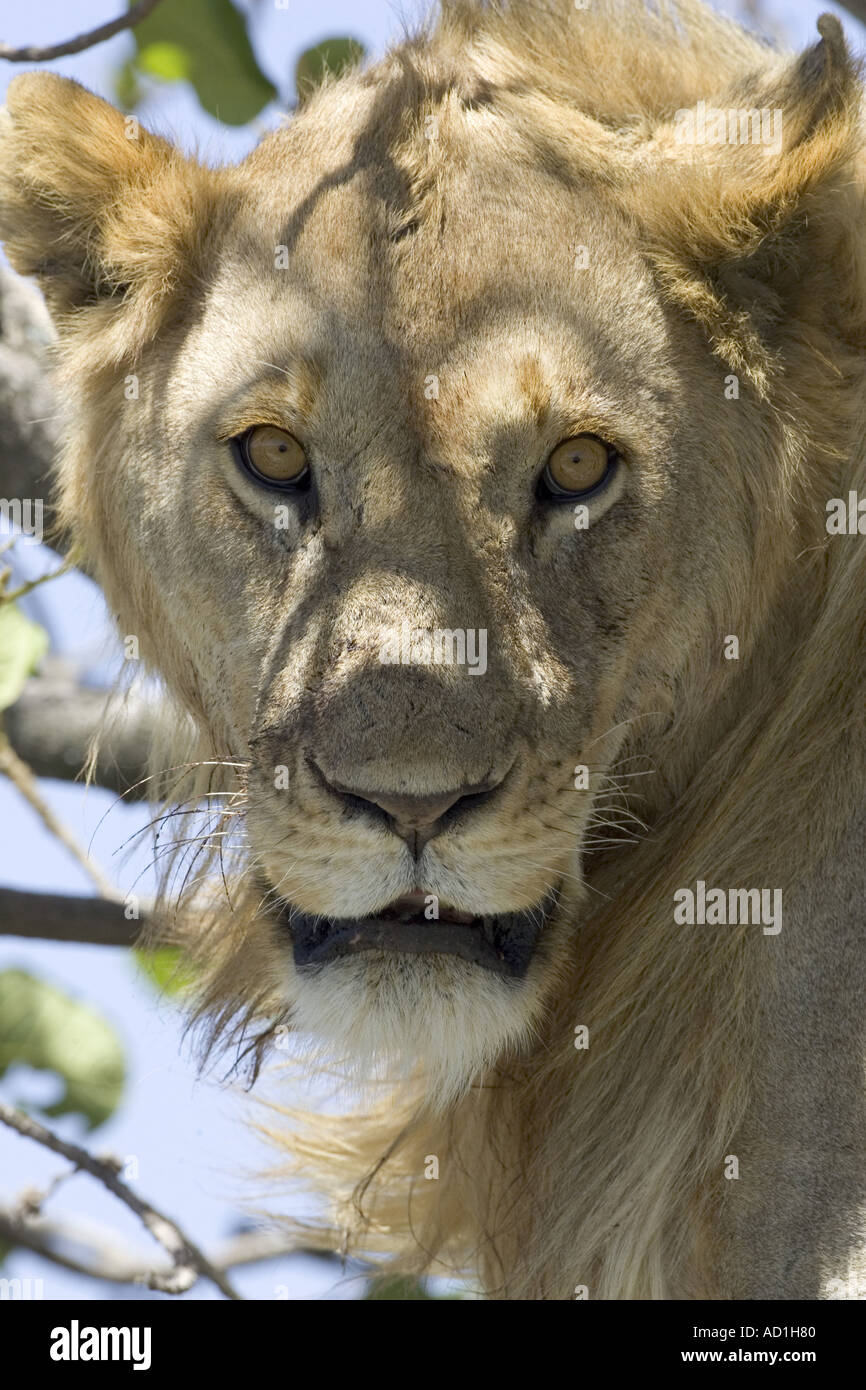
<point>92,1250</point>
<point>855,7</point>
<point>104,1259</point>
<point>57,917</point>
<point>59,746</point>
<point>33,54</point>
<point>22,778</point>
<point>188,1261</point>
<point>29,425</point>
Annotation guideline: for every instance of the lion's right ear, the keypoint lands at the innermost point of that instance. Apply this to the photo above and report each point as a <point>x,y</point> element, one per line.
<point>103,213</point>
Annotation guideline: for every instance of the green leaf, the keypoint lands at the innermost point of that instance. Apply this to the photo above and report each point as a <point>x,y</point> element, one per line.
<point>205,42</point>
<point>330,56</point>
<point>165,968</point>
<point>396,1287</point>
<point>22,646</point>
<point>166,60</point>
<point>44,1028</point>
<point>127,90</point>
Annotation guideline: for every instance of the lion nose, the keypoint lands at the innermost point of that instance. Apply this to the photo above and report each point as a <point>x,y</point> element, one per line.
<point>416,819</point>
<point>413,813</point>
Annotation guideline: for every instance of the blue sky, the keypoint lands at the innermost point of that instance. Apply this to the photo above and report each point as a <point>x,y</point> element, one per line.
<point>187,1132</point>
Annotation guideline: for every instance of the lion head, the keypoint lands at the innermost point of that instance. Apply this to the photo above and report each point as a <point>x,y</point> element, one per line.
<point>432,454</point>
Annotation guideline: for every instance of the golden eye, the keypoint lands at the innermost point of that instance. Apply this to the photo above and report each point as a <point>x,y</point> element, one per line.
<point>273,455</point>
<point>578,466</point>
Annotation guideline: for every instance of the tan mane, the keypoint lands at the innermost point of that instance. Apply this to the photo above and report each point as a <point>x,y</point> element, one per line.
<point>599,1168</point>
<point>554,1154</point>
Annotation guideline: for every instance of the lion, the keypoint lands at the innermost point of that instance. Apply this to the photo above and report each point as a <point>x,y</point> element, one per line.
<point>463,463</point>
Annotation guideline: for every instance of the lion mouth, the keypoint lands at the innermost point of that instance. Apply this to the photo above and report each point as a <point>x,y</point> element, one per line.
<point>501,942</point>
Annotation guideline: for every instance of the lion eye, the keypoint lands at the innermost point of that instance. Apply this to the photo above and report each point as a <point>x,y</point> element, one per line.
<point>273,456</point>
<point>578,466</point>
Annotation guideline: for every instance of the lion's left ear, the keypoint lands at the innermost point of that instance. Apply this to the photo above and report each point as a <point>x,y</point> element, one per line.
<point>746,201</point>
<point>107,216</point>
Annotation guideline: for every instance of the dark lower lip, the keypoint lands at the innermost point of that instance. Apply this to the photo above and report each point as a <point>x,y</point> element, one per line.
<point>502,943</point>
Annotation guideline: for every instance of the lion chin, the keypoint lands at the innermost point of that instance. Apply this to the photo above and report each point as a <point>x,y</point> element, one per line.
<point>401,991</point>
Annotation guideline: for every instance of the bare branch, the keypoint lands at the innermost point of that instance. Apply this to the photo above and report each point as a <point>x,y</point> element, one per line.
<point>93,1250</point>
<point>29,411</point>
<point>103,1257</point>
<point>56,917</point>
<point>855,7</point>
<point>21,777</point>
<point>57,745</point>
<point>254,1247</point>
<point>188,1261</point>
<point>33,54</point>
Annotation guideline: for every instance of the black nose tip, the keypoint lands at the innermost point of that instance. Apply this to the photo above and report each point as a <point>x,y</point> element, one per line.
<point>416,819</point>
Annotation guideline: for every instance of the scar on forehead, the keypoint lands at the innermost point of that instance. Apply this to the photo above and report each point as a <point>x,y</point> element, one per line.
<point>535,387</point>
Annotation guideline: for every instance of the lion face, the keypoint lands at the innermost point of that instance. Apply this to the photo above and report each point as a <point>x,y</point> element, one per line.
<point>395,472</point>
<point>427,656</point>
